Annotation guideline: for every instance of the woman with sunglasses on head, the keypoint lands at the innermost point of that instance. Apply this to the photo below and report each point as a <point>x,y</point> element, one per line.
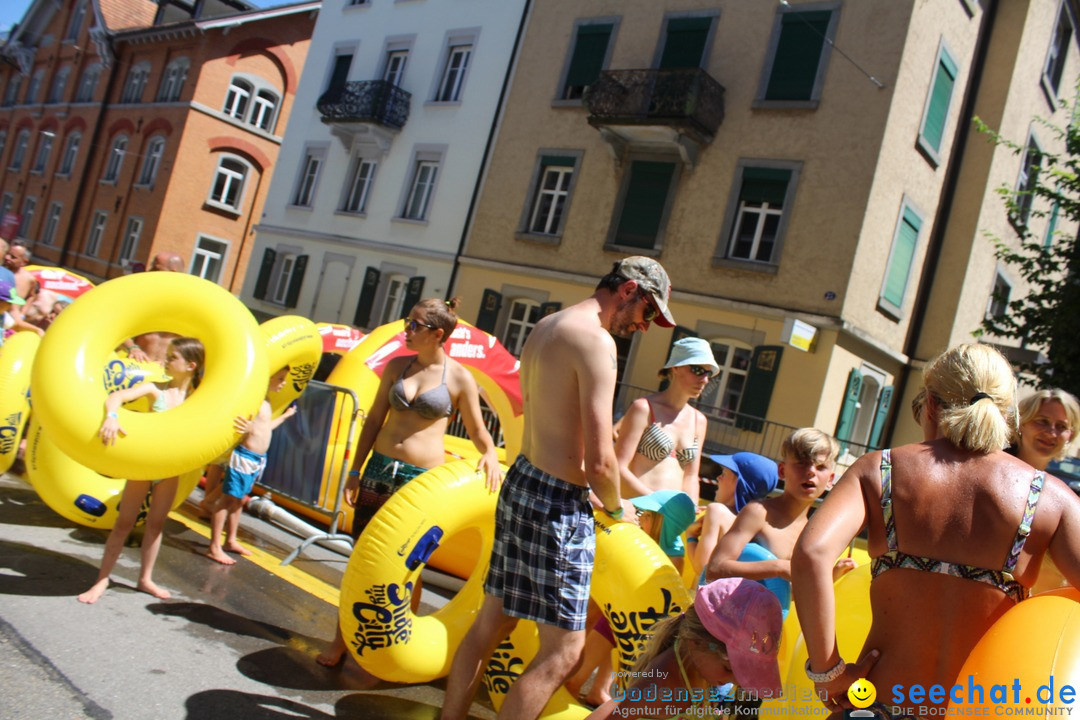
<point>404,428</point>
<point>660,436</point>
<point>1048,423</point>
<point>957,531</point>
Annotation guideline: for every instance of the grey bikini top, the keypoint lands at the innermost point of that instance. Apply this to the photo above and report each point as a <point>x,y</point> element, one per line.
<point>431,405</point>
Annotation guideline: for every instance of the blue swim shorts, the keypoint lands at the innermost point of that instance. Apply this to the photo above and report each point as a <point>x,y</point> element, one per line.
<point>243,471</point>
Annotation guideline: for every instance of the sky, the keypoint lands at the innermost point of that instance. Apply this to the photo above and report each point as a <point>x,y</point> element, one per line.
<point>11,11</point>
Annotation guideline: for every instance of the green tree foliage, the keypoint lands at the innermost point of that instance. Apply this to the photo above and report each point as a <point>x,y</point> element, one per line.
<point>1048,317</point>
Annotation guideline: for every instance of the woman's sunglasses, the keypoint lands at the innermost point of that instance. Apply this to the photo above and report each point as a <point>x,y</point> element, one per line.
<point>414,325</point>
<point>700,370</point>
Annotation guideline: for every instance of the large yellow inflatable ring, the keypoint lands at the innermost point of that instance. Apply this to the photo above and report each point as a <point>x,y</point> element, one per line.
<point>69,396</point>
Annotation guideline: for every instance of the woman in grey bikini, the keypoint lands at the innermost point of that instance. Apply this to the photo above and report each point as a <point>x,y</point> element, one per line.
<point>404,428</point>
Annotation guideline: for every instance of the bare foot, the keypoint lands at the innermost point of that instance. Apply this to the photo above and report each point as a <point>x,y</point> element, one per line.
<point>151,588</point>
<point>596,699</point>
<point>96,590</point>
<point>235,547</point>
<point>216,554</point>
<point>333,655</point>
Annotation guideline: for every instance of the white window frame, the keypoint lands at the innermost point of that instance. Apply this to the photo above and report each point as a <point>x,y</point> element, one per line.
<point>538,191</point>
<point>172,82</point>
<point>396,288</point>
<point>716,391</point>
<point>355,198</point>
<point>203,257</point>
<point>264,109</point>
<point>135,83</point>
<point>44,150</point>
<point>238,98</point>
<point>1057,53</point>
<point>18,155</point>
<point>232,176</point>
<point>451,78</point>
<point>995,308</point>
<point>155,151</point>
<point>1026,202</point>
<point>52,222</point>
<point>97,231</point>
<point>735,211</point>
<point>71,154</point>
<point>396,62</point>
<point>115,162</point>
<point>59,85</point>
<point>308,180</point>
<point>286,264</point>
<point>130,244</point>
<point>421,189</point>
<point>523,324</point>
<point>28,208</point>
<point>88,83</point>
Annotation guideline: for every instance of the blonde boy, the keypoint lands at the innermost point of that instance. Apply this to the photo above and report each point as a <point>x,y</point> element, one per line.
<point>807,471</point>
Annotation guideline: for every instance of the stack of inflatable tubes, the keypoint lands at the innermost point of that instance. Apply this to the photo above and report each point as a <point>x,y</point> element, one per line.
<point>16,359</point>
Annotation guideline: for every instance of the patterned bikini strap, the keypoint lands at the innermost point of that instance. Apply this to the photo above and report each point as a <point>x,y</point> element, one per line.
<point>886,498</point>
<point>1022,532</point>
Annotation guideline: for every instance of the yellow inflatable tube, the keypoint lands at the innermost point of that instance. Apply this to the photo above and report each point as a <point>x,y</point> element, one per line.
<point>294,341</point>
<point>635,585</point>
<point>16,359</point>
<point>69,396</point>
<point>380,629</point>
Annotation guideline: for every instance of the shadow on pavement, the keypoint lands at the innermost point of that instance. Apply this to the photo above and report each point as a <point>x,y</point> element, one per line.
<point>288,667</point>
<point>32,571</point>
<point>19,506</point>
<point>232,704</point>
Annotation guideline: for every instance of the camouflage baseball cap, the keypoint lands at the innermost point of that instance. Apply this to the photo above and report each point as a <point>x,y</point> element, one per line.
<point>653,280</point>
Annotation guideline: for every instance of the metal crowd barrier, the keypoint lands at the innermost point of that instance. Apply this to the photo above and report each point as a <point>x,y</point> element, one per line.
<point>305,452</point>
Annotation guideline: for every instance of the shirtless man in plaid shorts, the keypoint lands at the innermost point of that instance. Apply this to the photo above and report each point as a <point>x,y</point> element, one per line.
<point>541,569</point>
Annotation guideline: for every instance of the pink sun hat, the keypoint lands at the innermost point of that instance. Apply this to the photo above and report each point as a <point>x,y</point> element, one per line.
<point>746,617</point>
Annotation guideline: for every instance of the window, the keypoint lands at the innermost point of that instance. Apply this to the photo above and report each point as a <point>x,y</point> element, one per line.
<point>52,221</point>
<point>34,88</point>
<point>130,243</point>
<point>797,57</point>
<point>309,176</point>
<point>22,140</point>
<point>1059,50</point>
<point>523,316</point>
<point>71,154</point>
<point>394,308</point>
<point>135,83</point>
<point>29,206</point>
<point>97,230</point>
<point>998,305</point>
<point>551,195</point>
<point>1026,182</point>
<point>77,17</point>
<point>12,92</point>
<point>339,73</point>
<point>588,56</point>
<point>59,84</point>
<point>284,279</point>
<point>208,258</point>
<point>88,83</point>
<point>3,143</point>
<point>453,74</point>
<point>361,175</point>
<point>758,216</point>
<point>44,150</point>
<point>229,179</point>
<point>395,66</point>
<point>264,112</point>
<point>152,160</point>
<point>173,81</point>
<point>901,258</point>
<point>937,105</point>
<point>685,42</point>
<point>647,194</point>
<point>116,159</point>
<point>725,391</point>
<point>237,98</point>
<point>420,190</point>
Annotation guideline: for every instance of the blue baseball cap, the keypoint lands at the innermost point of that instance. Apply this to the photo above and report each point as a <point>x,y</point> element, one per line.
<point>676,506</point>
<point>757,475</point>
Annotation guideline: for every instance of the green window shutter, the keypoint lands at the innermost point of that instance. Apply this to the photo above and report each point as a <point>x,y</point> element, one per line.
<point>761,185</point>
<point>882,412</point>
<point>413,291</point>
<point>900,259</point>
<point>590,48</point>
<point>798,55</point>
<point>367,298</point>
<point>685,42</point>
<point>846,422</point>
<point>940,98</point>
<point>557,161</point>
<point>490,304</point>
<point>643,205</point>
<point>760,380</point>
<point>296,281</point>
<point>1051,226</point>
<point>267,267</point>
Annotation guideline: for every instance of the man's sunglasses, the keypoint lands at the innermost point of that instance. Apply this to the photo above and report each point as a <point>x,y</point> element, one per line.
<point>414,325</point>
<point>651,311</point>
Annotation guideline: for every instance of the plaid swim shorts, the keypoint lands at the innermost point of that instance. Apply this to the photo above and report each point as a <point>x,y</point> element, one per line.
<point>383,476</point>
<point>545,542</point>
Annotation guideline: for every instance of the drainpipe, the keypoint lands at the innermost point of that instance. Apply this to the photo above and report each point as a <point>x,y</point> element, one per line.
<point>495,124</point>
<point>948,196</point>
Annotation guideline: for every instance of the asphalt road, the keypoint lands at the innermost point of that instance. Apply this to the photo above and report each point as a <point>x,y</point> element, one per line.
<point>233,643</point>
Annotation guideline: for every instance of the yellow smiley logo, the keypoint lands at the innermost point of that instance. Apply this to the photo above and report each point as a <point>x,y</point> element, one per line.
<point>862,693</point>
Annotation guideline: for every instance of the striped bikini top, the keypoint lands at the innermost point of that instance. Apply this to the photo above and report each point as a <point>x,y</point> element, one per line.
<point>655,444</point>
<point>1002,579</point>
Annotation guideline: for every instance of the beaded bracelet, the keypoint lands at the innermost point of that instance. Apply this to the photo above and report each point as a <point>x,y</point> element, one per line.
<point>827,676</point>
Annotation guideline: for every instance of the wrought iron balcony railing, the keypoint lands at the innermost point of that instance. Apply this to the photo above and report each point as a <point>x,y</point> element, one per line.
<point>685,97</point>
<point>376,101</point>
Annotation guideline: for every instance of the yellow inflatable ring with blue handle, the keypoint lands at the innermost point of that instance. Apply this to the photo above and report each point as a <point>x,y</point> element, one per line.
<point>67,388</point>
<point>294,341</point>
<point>75,491</point>
<point>16,359</point>
<point>375,616</point>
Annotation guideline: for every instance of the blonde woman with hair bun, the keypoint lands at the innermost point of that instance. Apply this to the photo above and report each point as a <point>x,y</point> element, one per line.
<point>1048,423</point>
<point>946,523</point>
